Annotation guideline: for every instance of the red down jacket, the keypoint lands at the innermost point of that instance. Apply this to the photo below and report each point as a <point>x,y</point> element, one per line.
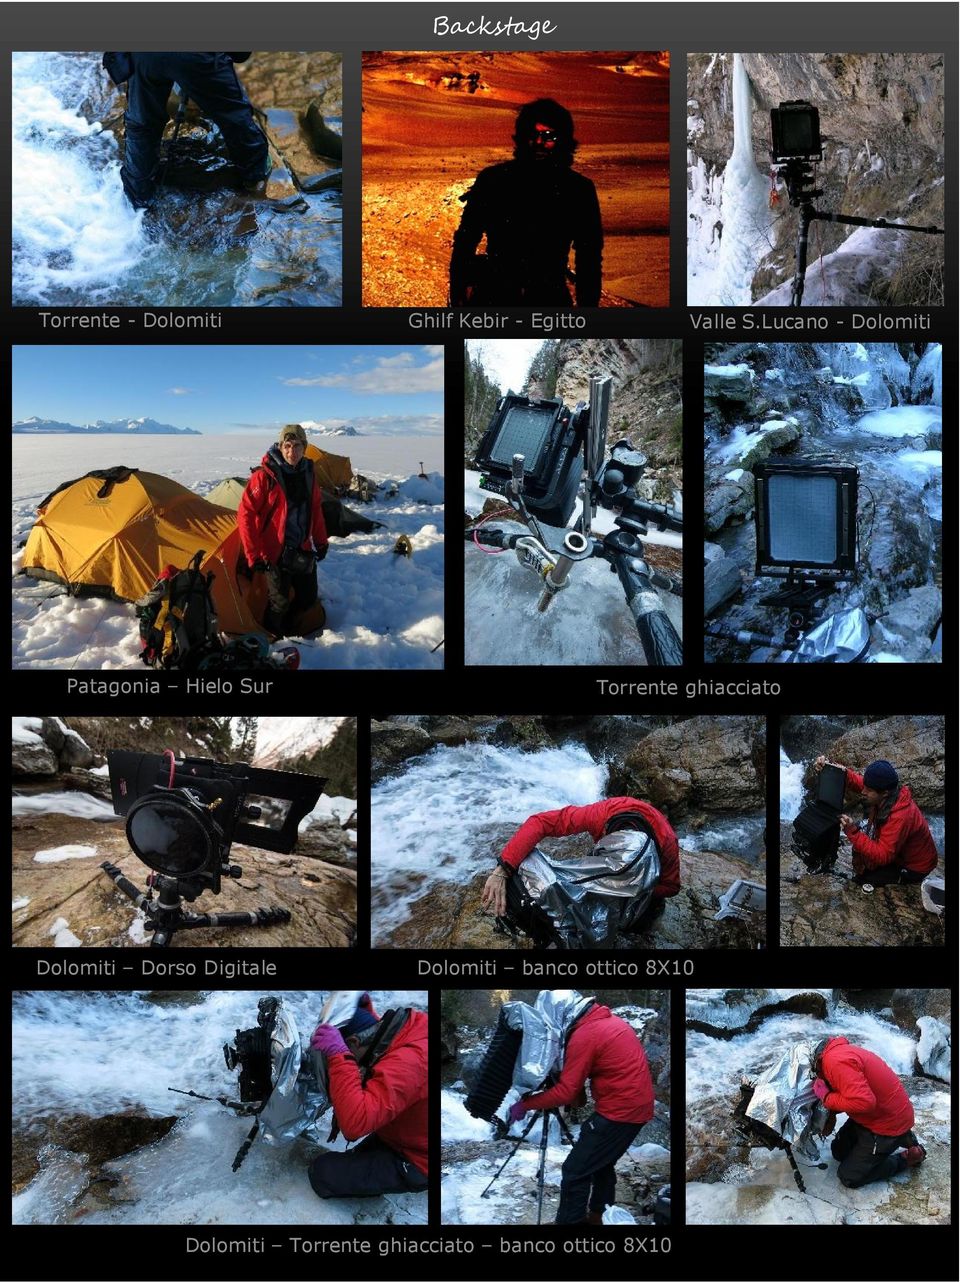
<point>604,1048</point>
<point>262,515</point>
<point>392,1102</point>
<point>594,819</point>
<point>903,839</point>
<point>865,1088</point>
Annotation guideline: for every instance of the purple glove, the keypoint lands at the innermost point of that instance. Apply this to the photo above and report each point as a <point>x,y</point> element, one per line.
<point>517,1111</point>
<point>821,1089</point>
<point>328,1040</point>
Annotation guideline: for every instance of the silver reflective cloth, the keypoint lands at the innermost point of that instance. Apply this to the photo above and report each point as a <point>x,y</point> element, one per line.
<point>783,1099</point>
<point>544,1028</point>
<point>296,1102</point>
<point>842,638</point>
<point>591,898</point>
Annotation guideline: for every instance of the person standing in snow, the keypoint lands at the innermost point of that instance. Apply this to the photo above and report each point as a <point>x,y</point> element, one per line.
<point>894,843</point>
<point>604,1050</point>
<point>877,1140</point>
<point>377,1083</point>
<point>282,529</point>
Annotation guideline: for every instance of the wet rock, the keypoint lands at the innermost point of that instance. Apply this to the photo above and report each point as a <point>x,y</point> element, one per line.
<point>521,732</point>
<point>320,896</point>
<point>727,501</point>
<point>773,436</point>
<point>908,1005</point>
<point>744,1010</point>
<point>100,1139</point>
<point>33,758</point>
<point>704,763</point>
<point>832,911</point>
<point>915,618</point>
<point>721,581</point>
<point>914,744</point>
<point>324,140</point>
<point>933,1052</point>
<point>896,554</point>
<point>731,384</point>
<point>391,744</point>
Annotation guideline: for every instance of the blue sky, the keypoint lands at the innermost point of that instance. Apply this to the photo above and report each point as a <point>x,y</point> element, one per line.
<point>234,388</point>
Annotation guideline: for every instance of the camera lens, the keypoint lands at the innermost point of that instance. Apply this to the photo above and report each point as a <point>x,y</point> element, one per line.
<point>170,836</point>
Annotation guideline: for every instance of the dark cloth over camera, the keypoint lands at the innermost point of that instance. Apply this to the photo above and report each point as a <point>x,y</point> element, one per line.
<point>209,80</point>
<point>532,215</point>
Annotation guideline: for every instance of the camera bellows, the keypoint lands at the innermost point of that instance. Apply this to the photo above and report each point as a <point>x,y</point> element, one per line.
<point>495,1075</point>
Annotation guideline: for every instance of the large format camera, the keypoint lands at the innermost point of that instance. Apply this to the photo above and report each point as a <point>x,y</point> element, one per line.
<point>549,436</point>
<point>816,829</point>
<point>182,818</point>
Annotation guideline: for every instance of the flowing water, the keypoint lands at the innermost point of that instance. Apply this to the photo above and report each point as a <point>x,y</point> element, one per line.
<point>78,242</point>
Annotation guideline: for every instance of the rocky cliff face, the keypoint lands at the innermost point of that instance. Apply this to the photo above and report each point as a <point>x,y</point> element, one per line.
<point>881,121</point>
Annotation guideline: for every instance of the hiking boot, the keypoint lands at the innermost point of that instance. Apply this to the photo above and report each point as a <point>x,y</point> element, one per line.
<point>914,1155</point>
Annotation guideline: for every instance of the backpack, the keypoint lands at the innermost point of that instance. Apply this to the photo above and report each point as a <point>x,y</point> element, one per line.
<point>178,622</point>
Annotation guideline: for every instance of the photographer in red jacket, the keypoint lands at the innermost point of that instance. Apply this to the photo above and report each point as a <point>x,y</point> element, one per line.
<point>614,814</point>
<point>603,1049</point>
<point>377,1075</point>
<point>282,529</point>
<point>879,1121</point>
<point>894,845</point>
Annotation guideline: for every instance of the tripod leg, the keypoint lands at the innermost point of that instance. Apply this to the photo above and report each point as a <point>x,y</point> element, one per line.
<point>257,917</point>
<point>803,238</point>
<point>542,1164</point>
<point>512,1154</point>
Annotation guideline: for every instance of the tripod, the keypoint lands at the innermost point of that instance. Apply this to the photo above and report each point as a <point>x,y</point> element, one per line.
<point>542,1157</point>
<point>165,915</point>
<point>798,176</point>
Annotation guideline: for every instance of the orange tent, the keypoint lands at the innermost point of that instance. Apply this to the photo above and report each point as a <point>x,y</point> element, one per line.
<point>112,533</point>
<point>334,472</point>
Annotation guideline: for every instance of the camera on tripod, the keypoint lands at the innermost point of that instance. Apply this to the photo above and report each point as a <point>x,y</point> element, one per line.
<point>250,1052</point>
<point>795,148</point>
<point>182,818</point>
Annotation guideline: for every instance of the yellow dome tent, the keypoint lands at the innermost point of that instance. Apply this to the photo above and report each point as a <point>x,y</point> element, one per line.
<point>112,533</point>
<point>333,471</point>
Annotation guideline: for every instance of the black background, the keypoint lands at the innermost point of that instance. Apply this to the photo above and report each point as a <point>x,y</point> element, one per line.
<point>914,1252</point>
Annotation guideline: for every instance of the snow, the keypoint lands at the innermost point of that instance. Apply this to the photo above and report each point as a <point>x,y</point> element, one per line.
<point>729,371</point>
<point>845,277</point>
<point>58,853</point>
<point>457,1124</point>
<point>78,804</point>
<point>19,903</point>
<point>63,936</point>
<point>383,611</point>
<point>125,1052</point>
<point>26,729</point>
<point>428,823</point>
<point>338,808</point>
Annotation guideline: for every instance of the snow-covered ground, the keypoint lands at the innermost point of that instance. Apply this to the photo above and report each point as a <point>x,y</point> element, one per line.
<point>282,738</point>
<point>126,1052</point>
<point>587,623</point>
<point>428,823</point>
<point>383,611</point>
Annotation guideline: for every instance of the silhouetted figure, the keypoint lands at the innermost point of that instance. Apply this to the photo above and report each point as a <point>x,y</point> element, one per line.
<point>209,80</point>
<point>532,209</point>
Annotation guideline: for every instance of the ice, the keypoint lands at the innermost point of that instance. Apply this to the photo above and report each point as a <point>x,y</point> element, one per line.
<point>63,936</point>
<point>124,1053</point>
<point>928,376</point>
<point>847,276</point>
<point>901,420</point>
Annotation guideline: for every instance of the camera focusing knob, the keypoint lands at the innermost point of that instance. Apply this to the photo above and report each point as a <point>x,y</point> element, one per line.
<point>234,871</point>
<point>253,812</point>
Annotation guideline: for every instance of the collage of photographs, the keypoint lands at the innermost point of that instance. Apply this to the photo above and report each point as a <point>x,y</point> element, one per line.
<point>554,749</point>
